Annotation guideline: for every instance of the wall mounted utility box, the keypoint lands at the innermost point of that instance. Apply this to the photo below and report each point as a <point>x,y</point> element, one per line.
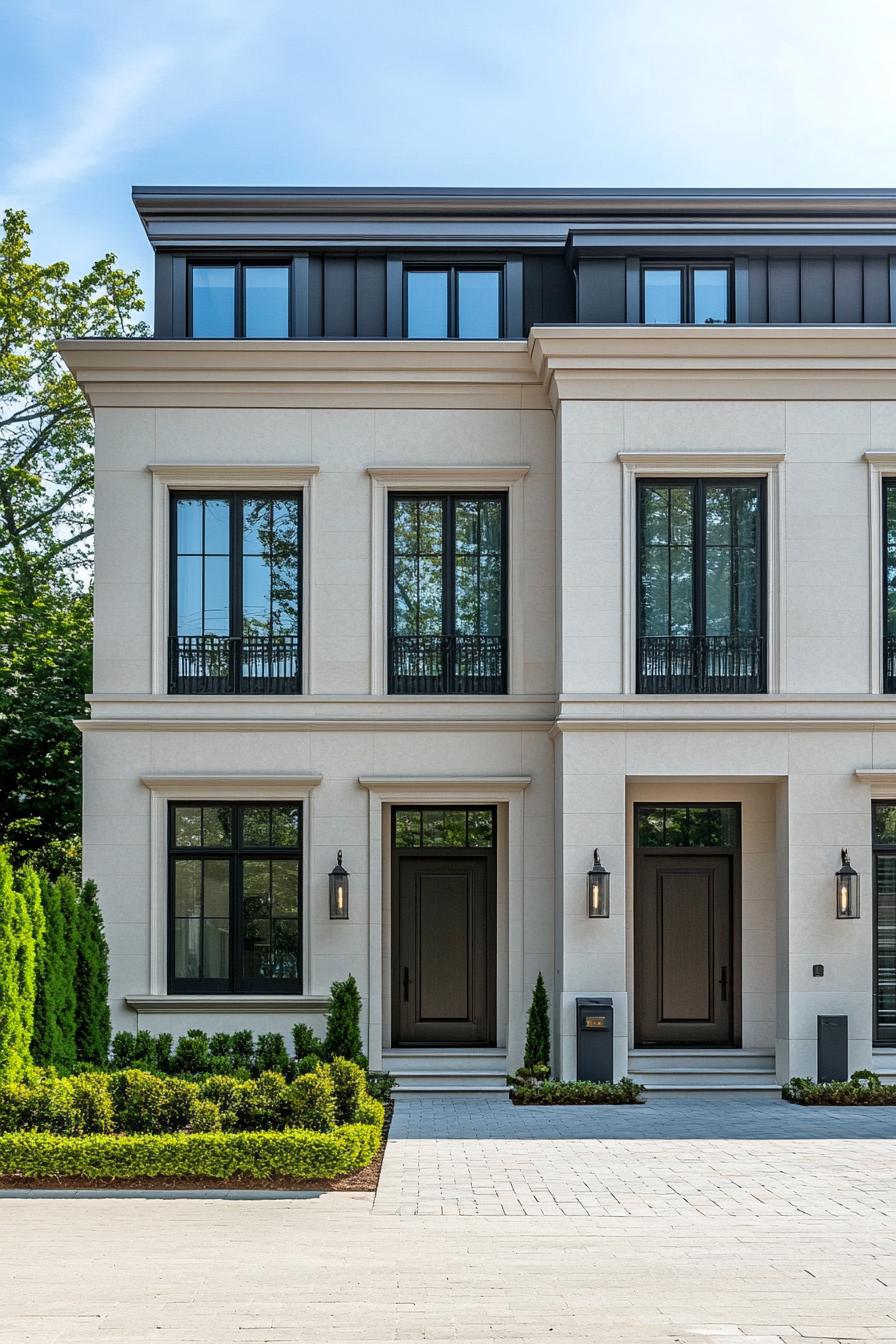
<point>833,1048</point>
<point>594,1040</point>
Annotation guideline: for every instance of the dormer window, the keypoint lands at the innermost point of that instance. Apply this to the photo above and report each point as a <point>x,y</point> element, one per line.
<point>452,301</point>
<point>239,300</point>
<point>673,294</point>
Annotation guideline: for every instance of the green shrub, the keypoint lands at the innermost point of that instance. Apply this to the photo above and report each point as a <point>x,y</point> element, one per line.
<point>349,1087</point>
<point>242,1049</point>
<point>538,1027</point>
<point>204,1116</point>
<point>380,1084</point>
<point>549,1093</point>
<point>220,1044</point>
<point>138,1099</point>
<point>308,1064</point>
<point>15,1103</point>
<point>310,1103</point>
<point>297,1154</point>
<point>92,1102</point>
<point>16,977</point>
<point>92,1021</point>
<point>343,1038</point>
<point>305,1043</point>
<point>164,1044</point>
<point>371,1112</point>
<point>191,1054</point>
<point>863,1088</point>
<point>31,890</point>
<point>61,908</point>
<point>270,1054</point>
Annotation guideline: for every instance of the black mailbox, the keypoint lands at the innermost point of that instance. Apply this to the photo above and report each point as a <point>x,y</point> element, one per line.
<point>833,1048</point>
<point>594,1040</point>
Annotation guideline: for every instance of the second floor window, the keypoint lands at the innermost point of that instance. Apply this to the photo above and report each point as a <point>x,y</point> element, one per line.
<point>239,300</point>
<point>450,301</point>
<point>674,294</point>
<point>701,587</point>
<point>447,594</point>
<point>889,586</point>
<point>235,617</point>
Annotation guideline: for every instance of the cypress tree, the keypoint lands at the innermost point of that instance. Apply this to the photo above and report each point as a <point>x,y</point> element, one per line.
<point>60,960</point>
<point>16,970</point>
<point>538,1027</point>
<point>93,1026</point>
<point>343,1038</point>
<point>30,912</point>
<point>32,889</point>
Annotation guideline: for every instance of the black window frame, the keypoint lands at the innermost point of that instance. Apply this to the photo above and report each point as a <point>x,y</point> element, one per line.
<point>462,851</point>
<point>235,983</point>
<point>888,641</point>
<point>233,682</point>
<point>240,266</point>
<point>704,683</point>
<point>452,269</point>
<point>686,271</point>
<point>878,848</point>
<point>448,682</point>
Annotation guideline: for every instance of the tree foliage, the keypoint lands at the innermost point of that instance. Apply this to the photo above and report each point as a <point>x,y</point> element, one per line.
<point>46,482</point>
<point>16,977</point>
<point>538,1027</point>
<point>343,1038</point>
<point>93,1026</point>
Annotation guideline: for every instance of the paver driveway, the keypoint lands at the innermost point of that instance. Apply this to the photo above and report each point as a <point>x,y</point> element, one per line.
<point>749,1222</point>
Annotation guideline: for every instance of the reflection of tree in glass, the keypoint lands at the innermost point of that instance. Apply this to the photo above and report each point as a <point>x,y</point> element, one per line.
<point>417,566</point>
<point>271,551</point>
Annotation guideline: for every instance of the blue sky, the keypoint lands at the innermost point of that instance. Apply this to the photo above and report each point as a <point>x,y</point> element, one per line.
<point>100,94</point>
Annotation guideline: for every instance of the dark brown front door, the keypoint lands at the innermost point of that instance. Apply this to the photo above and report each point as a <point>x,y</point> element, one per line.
<point>684,950</point>
<point>443,975</point>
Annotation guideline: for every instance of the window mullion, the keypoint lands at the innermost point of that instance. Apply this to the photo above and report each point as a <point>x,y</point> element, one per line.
<point>449,544</point>
<point>698,533</point>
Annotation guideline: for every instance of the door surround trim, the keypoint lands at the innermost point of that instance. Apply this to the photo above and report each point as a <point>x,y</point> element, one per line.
<point>505,792</point>
<point>734,852</point>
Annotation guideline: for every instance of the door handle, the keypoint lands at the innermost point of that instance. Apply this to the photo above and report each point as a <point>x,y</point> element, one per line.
<point>406,980</point>
<point>723,981</point>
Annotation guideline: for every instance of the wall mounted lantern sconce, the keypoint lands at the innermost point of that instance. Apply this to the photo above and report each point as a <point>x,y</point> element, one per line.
<point>339,890</point>
<point>846,882</point>
<point>598,890</point>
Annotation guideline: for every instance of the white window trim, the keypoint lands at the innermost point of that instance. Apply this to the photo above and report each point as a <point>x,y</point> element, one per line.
<point>505,792</point>
<point>770,466</point>
<point>444,479</point>
<point>213,477</point>
<point>165,789</point>
<point>880,466</point>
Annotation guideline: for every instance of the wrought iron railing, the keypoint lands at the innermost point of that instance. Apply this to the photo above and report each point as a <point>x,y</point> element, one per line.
<point>701,664</point>
<point>218,665</point>
<point>447,664</point>
<point>890,664</point>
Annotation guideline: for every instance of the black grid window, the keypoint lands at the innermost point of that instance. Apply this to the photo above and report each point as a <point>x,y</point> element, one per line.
<point>228,299</point>
<point>698,293</point>
<point>883,833</point>
<point>701,586</point>
<point>235,898</point>
<point>463,302</point>
<point>236,594</point>
<point>447,594</point>
<point>889,585</point>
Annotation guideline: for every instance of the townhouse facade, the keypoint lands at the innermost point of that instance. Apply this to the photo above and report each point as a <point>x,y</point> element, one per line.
<point>494,582</point>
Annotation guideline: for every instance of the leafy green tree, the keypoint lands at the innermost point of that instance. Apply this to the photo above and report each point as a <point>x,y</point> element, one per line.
<point>343,1038</point>
<point>538,1027</point>
<point>46,481</point>
<point>93,1025</point>
<point>16,977</point>
<point>58,1044</point>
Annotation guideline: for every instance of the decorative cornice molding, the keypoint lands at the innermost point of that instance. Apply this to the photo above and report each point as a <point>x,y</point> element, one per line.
<point>446,784</point>
<point>699,460</point>
<point>254,373</point>
<point>230,786</point>
<point>461,475</point>
<point>200,474</point>
<point>356,725</point>
<point>737,363</point>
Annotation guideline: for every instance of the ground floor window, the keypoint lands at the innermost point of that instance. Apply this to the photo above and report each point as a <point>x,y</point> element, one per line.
<point>235,898</point>
<point>884,838</point>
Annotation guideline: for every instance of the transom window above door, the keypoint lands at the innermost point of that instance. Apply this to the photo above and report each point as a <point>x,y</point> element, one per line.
<point>235,612</point>
<point>453,301</point>
<point>235,898</point>
<point>447,594</point>
<point>444,827</point>
<point>687,825</point>
<point>701,587</point>
<point>673,294</point>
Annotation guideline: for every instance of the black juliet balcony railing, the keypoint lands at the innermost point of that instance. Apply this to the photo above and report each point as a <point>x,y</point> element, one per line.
<point>890,664</point>
<point>218,665</point>
<point>701,664</point>
<point>447,664</point>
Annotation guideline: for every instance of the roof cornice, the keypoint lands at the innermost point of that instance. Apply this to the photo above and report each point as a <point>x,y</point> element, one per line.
<point>259,373</point>
<point>582,363</point>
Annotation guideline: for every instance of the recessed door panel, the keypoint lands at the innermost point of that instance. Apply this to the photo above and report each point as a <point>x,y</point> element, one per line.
<point>444,946</point>
<point>685,981</point>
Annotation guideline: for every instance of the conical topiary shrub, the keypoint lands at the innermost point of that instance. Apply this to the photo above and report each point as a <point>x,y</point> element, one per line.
<point>538,1028</point>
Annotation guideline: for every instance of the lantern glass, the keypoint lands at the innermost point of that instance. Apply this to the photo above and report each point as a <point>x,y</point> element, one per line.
<point>598,890</point>
<point>846,882</point>
<point>339,890</point>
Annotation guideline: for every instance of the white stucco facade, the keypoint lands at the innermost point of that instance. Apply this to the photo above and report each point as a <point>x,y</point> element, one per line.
<point>565,425</point>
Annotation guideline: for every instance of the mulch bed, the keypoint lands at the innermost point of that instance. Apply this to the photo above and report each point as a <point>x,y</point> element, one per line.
<point>365,1180</point>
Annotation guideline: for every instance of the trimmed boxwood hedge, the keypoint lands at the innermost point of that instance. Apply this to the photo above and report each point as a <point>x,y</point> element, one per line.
<point>864,1088</point>
<point>264,1155</point>
<point>530,1092</point>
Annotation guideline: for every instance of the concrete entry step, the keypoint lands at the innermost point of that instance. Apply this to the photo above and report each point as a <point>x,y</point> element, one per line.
<point>699,1072</point>
<point>452,1072</point>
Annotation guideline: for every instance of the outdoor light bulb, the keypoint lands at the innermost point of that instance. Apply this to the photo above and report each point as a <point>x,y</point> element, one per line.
<point>340,898</point>
<point>844,897</point>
